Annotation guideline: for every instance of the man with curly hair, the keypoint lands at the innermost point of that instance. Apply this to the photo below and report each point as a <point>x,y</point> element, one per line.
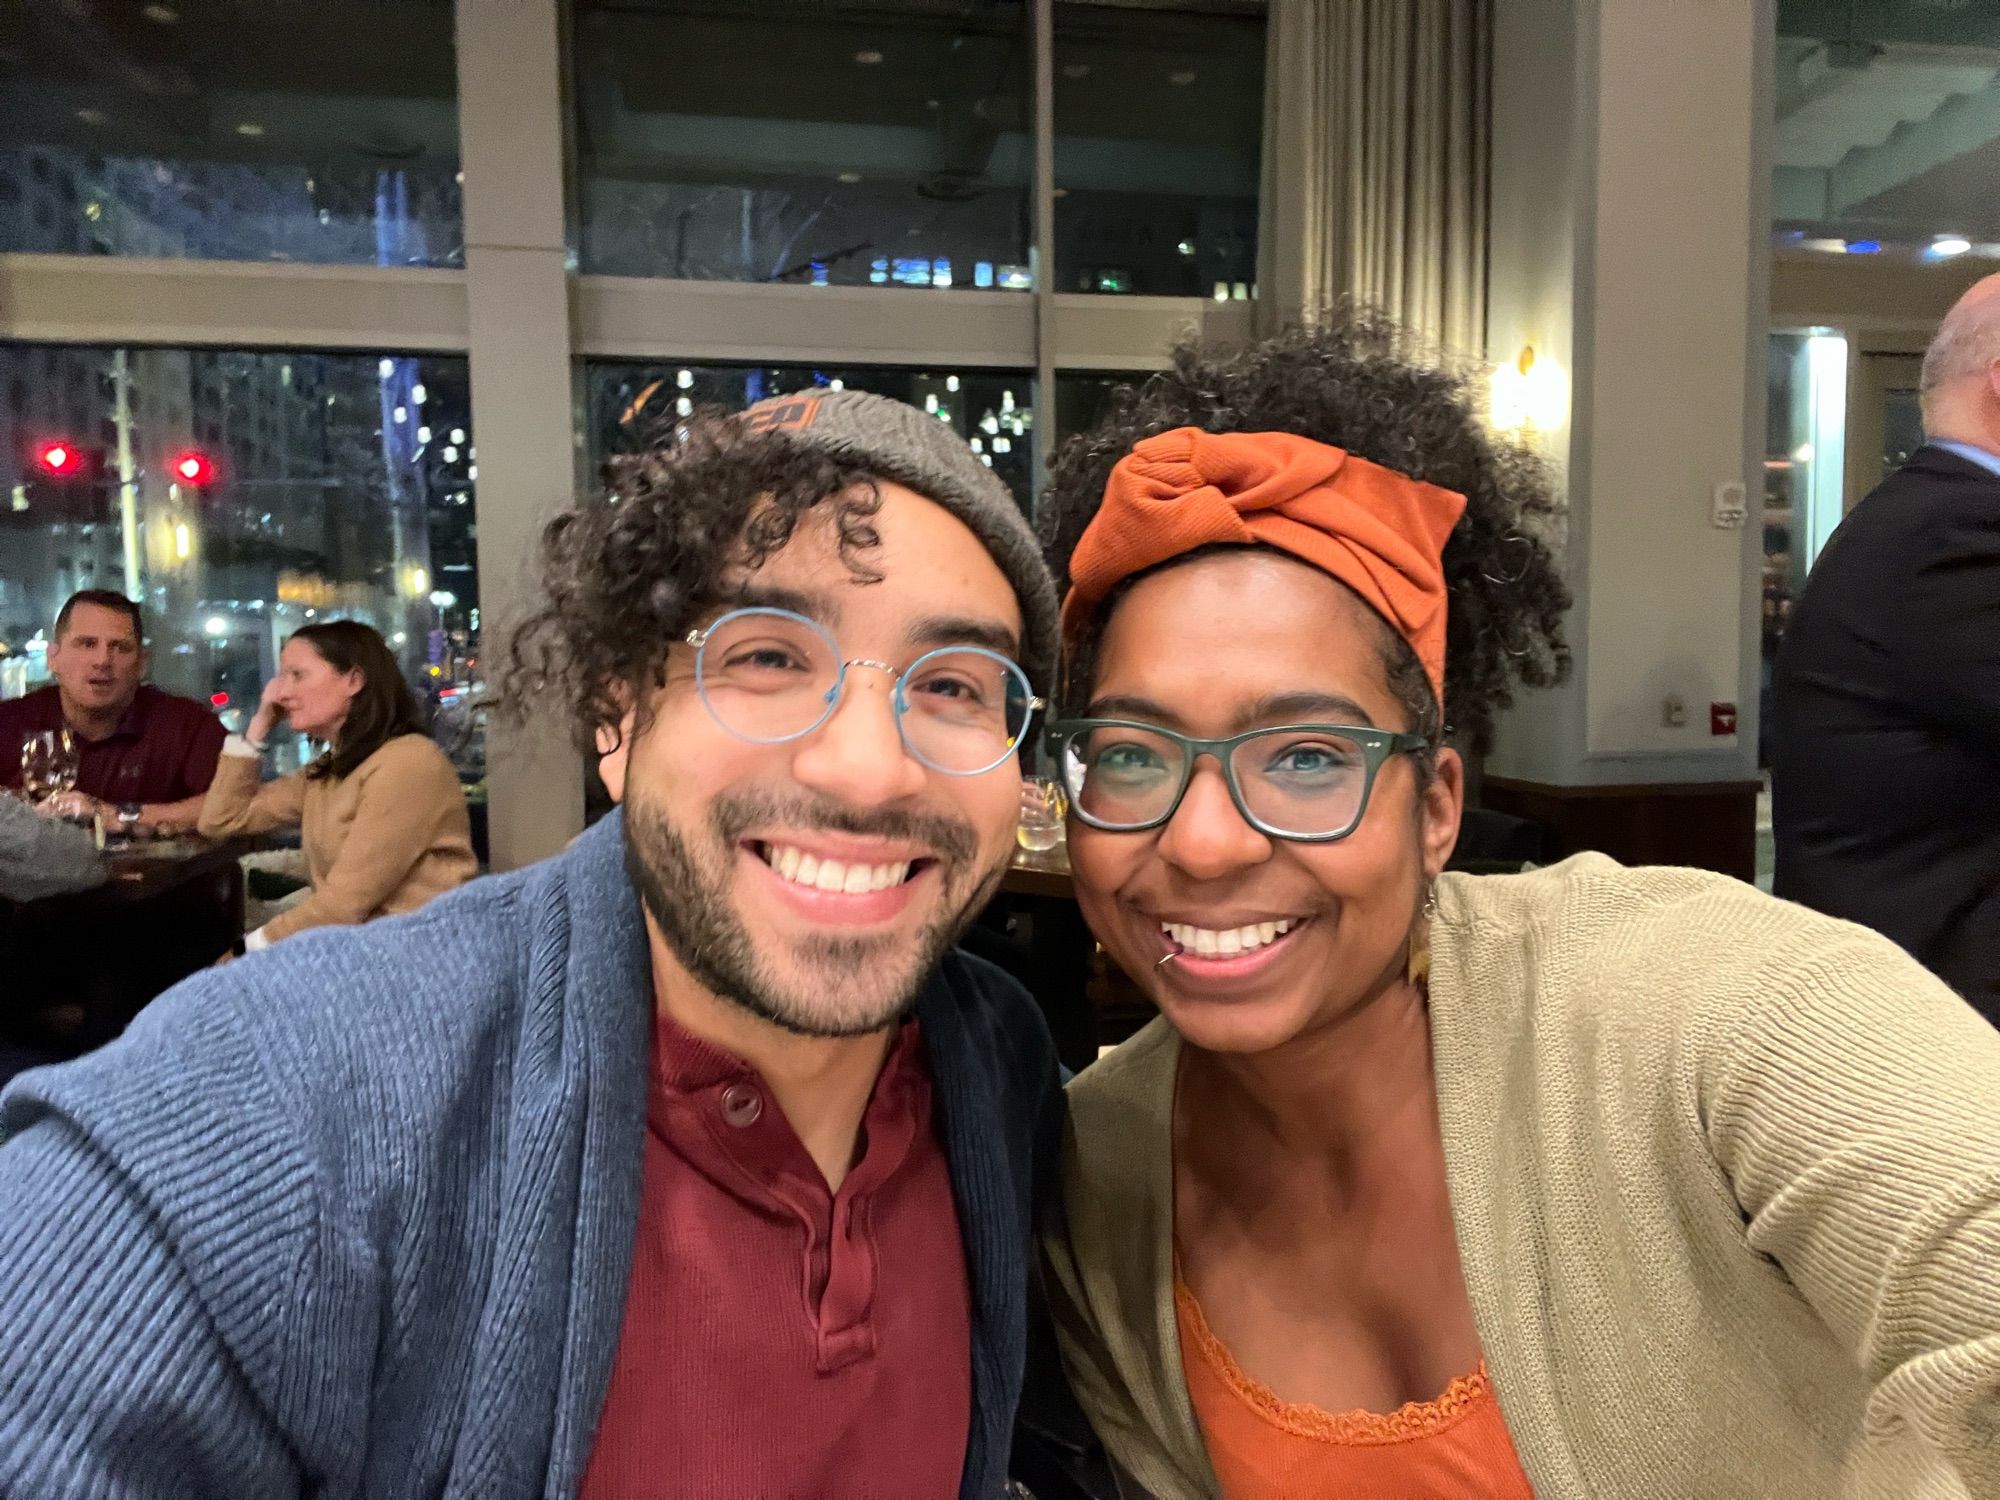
<point>693,1162</point>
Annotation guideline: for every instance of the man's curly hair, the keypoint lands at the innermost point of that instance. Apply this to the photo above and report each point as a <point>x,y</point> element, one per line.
<point>685,521</point>
<point>1345,382</point>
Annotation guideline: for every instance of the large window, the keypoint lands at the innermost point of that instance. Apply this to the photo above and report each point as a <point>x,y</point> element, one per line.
<point>632,405</point>
<point>832,144</point>
<point>238,496</point>
<point>1159,122</point>
<point>1084,396</point>
<point>237,295</point>
<point>230,129</point>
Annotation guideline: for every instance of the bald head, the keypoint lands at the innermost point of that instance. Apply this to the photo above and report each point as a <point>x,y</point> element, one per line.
<point>1961,392</point>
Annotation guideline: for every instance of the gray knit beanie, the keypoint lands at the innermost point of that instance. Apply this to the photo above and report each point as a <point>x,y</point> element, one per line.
<point>899,443</point>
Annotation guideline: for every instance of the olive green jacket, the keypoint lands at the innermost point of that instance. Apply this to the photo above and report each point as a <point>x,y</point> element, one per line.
<point>1725,1176</point>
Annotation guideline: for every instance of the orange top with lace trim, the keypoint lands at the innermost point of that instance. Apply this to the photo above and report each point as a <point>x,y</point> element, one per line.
<point>1266,1448</point>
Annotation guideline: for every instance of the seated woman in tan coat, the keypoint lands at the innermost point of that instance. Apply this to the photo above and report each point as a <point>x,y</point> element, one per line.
<point>1599,1183</point>
<point>383,817</point>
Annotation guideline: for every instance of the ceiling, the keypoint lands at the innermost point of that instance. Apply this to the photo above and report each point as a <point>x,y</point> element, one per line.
<point>1888,119</point>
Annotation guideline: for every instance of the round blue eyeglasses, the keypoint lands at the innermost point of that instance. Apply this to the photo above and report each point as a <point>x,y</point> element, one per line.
<point>769,675</point>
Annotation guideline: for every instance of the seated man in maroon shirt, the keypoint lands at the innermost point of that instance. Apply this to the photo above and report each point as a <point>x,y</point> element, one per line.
<point>145,758</point>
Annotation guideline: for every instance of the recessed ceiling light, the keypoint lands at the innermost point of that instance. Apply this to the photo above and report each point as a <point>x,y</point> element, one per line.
<point>868,57</point>
<point>160,15</point>
<point>1181,79</point>
<point>850,177</point>
<point>91,116</point>
<point>250,128</point>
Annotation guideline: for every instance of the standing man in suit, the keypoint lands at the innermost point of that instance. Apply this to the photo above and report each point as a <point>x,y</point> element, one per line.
<point>1886,695</point>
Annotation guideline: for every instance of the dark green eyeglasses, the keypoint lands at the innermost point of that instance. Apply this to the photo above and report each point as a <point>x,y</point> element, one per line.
<point>1304,782</point>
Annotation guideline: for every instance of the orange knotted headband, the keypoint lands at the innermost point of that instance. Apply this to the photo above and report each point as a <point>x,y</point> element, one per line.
<point>1379,532</point>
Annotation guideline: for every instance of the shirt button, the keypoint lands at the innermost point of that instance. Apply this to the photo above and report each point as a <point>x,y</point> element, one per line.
<point>741,1105</point>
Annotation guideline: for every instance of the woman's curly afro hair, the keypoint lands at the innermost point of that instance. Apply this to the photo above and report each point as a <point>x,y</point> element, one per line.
<point>1343,381</point>
<point>687,519</point>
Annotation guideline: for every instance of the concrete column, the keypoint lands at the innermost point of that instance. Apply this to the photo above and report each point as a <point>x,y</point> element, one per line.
<point>1631,246</point>
<point>511,114</point>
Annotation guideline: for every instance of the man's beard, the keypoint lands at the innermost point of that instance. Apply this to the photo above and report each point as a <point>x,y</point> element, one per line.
<point>839,986</point>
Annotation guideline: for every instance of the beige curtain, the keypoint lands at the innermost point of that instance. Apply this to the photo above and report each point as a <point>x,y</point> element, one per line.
<point>1375,164</point>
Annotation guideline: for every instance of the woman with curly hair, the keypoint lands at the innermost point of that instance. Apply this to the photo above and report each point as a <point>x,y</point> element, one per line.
<point>1583,1182</point>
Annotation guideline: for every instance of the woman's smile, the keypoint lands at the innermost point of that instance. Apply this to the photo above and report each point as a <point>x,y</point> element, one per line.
<point>1218,964</point>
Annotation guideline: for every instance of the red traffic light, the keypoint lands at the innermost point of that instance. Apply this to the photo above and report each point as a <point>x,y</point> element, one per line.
<point>193,467</point>
<point>60,459</point>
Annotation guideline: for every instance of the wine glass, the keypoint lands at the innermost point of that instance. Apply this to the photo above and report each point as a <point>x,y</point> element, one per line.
<point>64,764</point>
<point>38,761</point>
<point>1042,809</point>
<point>48,764</point>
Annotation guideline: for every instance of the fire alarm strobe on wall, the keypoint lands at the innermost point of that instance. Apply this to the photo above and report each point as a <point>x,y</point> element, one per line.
<point>1731,504</point>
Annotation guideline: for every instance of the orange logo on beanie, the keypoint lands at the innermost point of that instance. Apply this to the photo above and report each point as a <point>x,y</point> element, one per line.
<point>782,414</point>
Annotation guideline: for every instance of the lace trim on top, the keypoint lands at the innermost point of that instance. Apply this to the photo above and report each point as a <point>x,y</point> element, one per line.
<point>1415,1419</point>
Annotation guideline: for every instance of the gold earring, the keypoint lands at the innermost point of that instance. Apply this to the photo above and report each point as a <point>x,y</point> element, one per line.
<point>1417,966</point>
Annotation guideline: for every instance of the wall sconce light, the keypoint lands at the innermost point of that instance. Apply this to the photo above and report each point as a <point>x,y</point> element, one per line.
<point>1530,395</point>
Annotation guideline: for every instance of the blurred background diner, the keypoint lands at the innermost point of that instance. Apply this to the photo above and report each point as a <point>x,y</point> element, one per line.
<point>315,313</point>
<point>380,813</point>
<point>101,741</point>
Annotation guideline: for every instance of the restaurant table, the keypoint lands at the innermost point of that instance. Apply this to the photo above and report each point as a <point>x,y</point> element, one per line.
<point>167,909</point>
<point>1041,873</point>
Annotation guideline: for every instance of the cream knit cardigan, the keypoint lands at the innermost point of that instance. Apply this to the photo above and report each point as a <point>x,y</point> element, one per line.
<point>1725,1176</point>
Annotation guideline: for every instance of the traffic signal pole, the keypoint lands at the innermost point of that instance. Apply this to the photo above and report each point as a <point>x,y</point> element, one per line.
<point>128,487</point>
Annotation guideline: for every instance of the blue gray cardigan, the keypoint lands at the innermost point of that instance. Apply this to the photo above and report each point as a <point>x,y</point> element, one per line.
<point>354,1217</point>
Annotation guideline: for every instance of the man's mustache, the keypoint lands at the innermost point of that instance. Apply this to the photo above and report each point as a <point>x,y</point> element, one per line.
<point>951,840</point>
